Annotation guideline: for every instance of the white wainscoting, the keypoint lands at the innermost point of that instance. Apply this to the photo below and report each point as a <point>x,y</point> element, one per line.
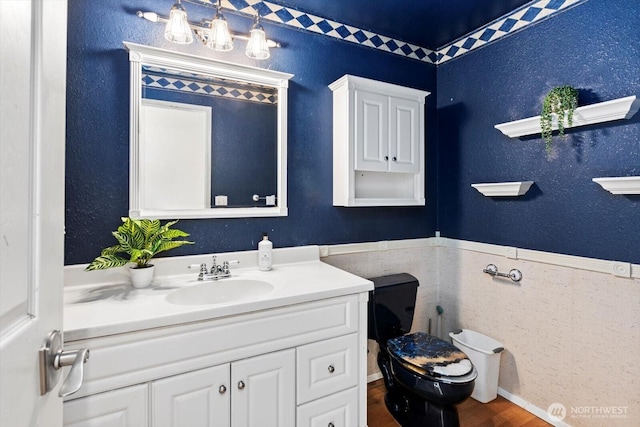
<point>569,328</point>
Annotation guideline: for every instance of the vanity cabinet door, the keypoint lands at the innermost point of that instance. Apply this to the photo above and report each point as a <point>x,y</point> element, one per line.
<point>264,391</point>
<point>336,410</point>
<point>126,407</point>
<point>196,399</point>
<point>326,367</point>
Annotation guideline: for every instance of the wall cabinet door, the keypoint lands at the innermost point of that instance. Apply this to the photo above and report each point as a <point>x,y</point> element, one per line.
<point>371,131</point>
<point>264,391</point>
<point>387,133</point>
<point>126,407</point>
<point>404,135</point>
<point>195,399</point>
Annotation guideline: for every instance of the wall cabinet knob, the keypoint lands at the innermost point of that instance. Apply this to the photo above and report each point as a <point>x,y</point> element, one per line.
<point>386,158</point>
<point>331,425</point>
<point>331,369</point>
<point>222,389</point>
<point>395,159</point>
<point>241,385</point>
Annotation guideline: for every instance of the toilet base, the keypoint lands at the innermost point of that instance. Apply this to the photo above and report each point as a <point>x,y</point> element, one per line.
<point>416,412</point>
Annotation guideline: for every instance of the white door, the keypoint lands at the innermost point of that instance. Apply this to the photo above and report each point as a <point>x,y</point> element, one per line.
<point>264,391</point>
<point>32,137</point>
<point>163,126</point>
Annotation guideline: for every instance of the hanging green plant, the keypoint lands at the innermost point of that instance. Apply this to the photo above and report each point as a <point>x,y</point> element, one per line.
<point>141,239</point>
<point>561,101</point>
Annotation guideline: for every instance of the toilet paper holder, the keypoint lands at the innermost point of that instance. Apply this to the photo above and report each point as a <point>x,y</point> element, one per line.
<point>269,200</point>
<point>514,274</point>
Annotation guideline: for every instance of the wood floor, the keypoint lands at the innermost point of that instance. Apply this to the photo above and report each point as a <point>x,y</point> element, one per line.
<point>499,412</point>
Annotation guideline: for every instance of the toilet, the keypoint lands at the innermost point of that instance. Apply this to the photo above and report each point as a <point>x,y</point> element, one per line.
<point>424,376</point>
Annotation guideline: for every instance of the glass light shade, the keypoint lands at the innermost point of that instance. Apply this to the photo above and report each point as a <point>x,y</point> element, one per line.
<point>257,45</point>
<point>177,29</point>
<point>219,36</point>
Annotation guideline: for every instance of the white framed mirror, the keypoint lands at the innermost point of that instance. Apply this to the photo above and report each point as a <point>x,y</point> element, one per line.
<point>208,138</point>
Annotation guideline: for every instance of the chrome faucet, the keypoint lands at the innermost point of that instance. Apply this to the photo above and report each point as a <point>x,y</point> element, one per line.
<point>216,272</point>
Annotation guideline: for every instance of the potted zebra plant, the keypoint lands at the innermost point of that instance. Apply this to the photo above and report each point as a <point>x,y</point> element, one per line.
<point>141,240</point>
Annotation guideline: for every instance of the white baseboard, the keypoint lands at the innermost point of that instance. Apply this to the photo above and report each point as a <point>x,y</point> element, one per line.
<point>516,400</point>
<point>529,407</point>
<point>373,377</point>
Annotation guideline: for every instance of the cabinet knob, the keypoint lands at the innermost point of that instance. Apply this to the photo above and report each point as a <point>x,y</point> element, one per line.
<point>386,158</point>
<point>331,369</point>
<point>222,389</point>
<point>241,385</point>
<point>331,425</point>
<point>395,159</point>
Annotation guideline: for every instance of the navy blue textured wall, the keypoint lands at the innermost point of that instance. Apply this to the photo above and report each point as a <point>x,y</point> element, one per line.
<point>593,47</point>
<point>98,134</point>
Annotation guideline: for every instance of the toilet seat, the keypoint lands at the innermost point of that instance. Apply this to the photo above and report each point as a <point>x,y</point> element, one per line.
<point>431,357</point>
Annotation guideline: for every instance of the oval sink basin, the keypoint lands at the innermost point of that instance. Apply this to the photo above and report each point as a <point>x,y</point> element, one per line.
<point>220,291</point>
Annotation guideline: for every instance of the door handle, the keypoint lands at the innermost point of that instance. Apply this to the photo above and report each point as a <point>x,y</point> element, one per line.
<point>53,358</point>
<point>76,359</point>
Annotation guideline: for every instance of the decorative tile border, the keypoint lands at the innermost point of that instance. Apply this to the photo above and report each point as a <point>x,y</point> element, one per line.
<point>504,26</point>
<point>204,88</point>
<point>508,24</point>
<point>316,24</point>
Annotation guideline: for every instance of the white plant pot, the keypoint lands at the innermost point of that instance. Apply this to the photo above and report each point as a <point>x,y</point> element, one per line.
<point>141,277</point>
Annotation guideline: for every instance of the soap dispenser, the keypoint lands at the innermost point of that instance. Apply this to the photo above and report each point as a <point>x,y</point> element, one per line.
<point>265,250</point>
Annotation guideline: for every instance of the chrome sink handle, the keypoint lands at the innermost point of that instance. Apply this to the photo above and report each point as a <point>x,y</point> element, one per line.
<point>216,272</point>
<point>203,270</point>
<point>225,266</point>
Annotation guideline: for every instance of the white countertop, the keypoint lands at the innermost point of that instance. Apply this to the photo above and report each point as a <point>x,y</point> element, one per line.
<point>108,308</point>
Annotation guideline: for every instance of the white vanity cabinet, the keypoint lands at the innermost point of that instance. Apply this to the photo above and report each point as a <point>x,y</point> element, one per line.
<point>263,390</point>
<point>198,398</point>
<point>258,391</point>
<point>297,365</point>
<point>126,407</point>
<point>378,143</point>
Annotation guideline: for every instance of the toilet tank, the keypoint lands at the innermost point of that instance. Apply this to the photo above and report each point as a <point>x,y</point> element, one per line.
<point>391,306</point>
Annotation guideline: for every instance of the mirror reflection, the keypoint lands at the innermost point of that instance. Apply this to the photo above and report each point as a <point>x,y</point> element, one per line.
<point>226,128</point>
<point>211,137</point>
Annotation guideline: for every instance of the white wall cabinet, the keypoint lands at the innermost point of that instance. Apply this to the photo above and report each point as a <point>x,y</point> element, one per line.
<point>378,143</point>
<point>298,365</point>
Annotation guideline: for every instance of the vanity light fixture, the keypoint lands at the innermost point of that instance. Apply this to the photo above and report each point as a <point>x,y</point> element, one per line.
<point>257,47</point>
<point>178,29</point>
<point>219,36</point>
<point>214,34</point>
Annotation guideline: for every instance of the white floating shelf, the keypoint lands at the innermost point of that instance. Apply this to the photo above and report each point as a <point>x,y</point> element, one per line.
<point>620,185</point>
<point>503,189</point>
<point>622,108</point>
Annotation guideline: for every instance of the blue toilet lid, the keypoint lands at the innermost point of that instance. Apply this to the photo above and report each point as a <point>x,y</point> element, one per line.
<point>425,353</point>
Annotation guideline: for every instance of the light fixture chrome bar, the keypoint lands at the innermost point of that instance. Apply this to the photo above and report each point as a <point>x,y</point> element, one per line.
<point>200,29</point>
